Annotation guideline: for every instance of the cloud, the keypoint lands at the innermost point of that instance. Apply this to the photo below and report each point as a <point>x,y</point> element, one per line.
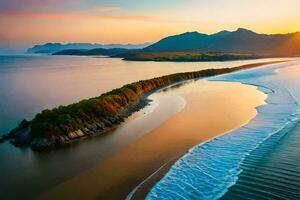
<point>102,10</point>
<point>78,15</point>
<point>129,17</point>
<point>67,9</point>
<point>34,5</point>
<point>27,15</point>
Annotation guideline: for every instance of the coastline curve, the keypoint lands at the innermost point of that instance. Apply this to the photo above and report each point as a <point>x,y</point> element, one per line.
<point>209,169</point>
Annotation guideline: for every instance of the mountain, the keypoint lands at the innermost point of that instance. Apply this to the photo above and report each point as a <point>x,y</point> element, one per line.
<point>241,41</point>
<point>97,51</point>
<point>50,48</point>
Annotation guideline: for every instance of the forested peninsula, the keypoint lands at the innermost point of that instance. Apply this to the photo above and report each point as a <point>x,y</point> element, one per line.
<point>57,127</point>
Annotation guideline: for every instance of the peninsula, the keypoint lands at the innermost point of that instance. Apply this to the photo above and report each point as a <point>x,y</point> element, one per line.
<point>182,56</point>
<point>57,127</point>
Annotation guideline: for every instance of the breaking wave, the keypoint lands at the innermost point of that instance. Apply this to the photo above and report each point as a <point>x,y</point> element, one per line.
<point>210,168</point>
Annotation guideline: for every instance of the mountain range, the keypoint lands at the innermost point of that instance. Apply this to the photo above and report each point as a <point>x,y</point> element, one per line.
<point>240,41</point>
<point>50,48</point>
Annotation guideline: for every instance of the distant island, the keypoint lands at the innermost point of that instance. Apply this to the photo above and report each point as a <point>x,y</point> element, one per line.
<point>140,55</point>
<point>194,46</point>
<point>182,56</point>
<point>96,52</point>
<point>65,124</point>
<point>50,48</point>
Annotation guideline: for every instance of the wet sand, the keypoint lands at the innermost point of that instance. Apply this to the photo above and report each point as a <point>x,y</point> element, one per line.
<point>212,108</point>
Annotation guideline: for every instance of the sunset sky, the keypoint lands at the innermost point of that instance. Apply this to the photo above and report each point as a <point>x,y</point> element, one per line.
<point>27,22</point>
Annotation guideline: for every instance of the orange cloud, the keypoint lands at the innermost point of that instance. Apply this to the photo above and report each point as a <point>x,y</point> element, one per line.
<point>52,27</point>
<point>76,15</point>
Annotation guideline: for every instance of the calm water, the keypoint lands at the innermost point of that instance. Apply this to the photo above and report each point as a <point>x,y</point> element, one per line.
<point>29,84</point>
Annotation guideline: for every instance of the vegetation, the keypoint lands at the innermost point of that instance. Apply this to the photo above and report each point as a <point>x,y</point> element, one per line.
<point>65,119</point>
<point>183,56</point>
<point>91,116</point>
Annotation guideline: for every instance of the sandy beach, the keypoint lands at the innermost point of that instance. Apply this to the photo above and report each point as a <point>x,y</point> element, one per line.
<point>212,108</point>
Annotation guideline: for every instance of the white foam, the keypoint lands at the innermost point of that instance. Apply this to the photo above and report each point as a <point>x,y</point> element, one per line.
<point>209,169</point>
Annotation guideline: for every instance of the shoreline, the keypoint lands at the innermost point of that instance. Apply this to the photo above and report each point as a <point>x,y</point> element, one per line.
<point>169,140</point>
<point>142,189</point>
<point>281,120</point>
<point>137,92</point>
<point>279,145</point>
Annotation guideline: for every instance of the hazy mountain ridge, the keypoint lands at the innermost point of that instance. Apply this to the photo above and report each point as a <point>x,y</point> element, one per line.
<point>94,52</point>
<point>239,41</point>
<point>51,48</point>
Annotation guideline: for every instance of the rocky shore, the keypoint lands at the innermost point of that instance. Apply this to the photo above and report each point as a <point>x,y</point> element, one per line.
<point>21,136</point>
<point>54,128</point>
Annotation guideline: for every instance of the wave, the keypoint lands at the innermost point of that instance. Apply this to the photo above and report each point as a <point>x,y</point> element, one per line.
<point>209,169</point>
<point>271,171</point>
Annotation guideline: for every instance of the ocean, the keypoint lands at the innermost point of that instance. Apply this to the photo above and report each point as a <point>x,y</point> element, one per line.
<point>257,161</point>
<point>31,83</point>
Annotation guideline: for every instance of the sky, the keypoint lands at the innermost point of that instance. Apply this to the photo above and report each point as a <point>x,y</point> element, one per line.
<point>24,23</point>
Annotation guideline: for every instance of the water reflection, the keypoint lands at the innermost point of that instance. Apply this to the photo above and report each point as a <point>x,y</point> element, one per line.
<point>29,84</point>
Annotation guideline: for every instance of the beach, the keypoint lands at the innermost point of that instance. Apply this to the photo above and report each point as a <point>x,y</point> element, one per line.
<point>212,108</point>
<point>271,171</point>
<point>221,166</point>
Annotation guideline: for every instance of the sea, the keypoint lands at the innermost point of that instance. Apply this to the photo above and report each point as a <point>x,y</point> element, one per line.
<point>259,161</point>
<point>32,83</point>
